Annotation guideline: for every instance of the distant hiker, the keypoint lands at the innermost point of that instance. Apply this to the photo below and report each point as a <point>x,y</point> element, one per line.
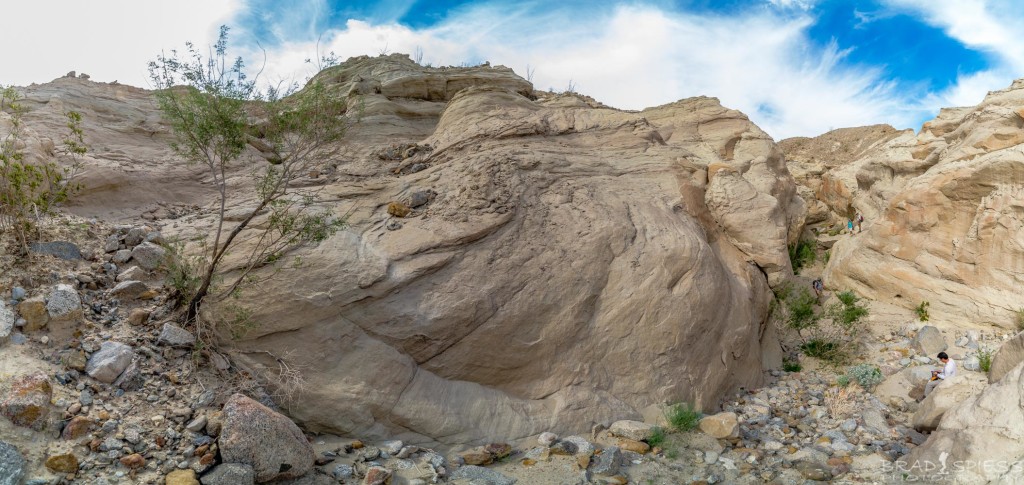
<point>819,288</point>
<point>860,221</point>
<point>948,370</point>
<point>849,225</point>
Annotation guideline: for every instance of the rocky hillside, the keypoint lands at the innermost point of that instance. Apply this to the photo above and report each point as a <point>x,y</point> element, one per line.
<point>942,209</point>
<point>552,262</point>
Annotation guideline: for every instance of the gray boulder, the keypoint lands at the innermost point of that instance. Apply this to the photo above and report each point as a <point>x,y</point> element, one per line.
<point>475,474</point>
<point>60,249</point>
<point>272,444</point>
<point>7,320</point>
<point>230,474</point>
<point>64,304</point>
<point>929,341</point>
<point>12,464</point>
<point>107,363</point>
<point>633,430</point>
<point>112,244</point>
<point>175,336</point>
<point>608,462</point>
<point>129,290</point>
<point>149,256</point>
<point>121,256</point>
<point>135,236</point>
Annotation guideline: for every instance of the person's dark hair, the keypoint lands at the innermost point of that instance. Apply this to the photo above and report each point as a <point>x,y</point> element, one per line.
<point>942,355</point>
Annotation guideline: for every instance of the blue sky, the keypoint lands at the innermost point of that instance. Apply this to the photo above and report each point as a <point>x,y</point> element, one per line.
<point>796,67</point>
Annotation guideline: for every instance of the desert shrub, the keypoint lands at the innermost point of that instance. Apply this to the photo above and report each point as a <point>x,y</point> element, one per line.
<point>672,453</point>
<point>826,256</point>
<point>839,402</point>
<point>1020,318</point>
<point>867,376</point>
<point>801,314</point>
<point>985,359</point>
<point>843,381</point>
<point>657,436</point>
<point>802,254</point>
<point>848,313</point>
<point>683,416</point>
<point>790,365</point>
<point>922,311</point>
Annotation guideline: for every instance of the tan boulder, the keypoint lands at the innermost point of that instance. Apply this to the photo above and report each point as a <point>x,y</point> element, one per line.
<point>181,477</point>
<point>33,310</point>
<point>271,443</point>
<point>944,397</point>
<point>1007,357</point>
<point>27,402</point>
<point>721,425</point>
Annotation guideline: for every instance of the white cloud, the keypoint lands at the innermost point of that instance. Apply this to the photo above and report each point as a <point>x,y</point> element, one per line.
<point>991,26</point>
<point>636,57</point>
<point>108,39</point>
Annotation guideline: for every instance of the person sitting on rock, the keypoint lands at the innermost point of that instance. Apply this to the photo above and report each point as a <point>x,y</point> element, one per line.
<point>948,370</point>
<point>818,288</point>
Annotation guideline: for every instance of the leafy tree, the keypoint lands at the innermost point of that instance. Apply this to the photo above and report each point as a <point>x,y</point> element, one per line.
<point>221,120</point>
<point>29,192</point>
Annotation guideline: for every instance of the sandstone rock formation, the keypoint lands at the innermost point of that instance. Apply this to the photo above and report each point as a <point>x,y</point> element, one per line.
<point>942,210</point>
<point>980,439</point>
<point>1006,358</point>
<point>947,395</point>
<point>577,264</point>
<point>559,262</point>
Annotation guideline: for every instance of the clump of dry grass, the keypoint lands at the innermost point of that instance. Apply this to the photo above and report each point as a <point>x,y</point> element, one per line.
<point>840,401</point>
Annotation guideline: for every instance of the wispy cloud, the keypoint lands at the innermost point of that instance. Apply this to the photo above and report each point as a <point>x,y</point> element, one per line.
<point>635,56</point>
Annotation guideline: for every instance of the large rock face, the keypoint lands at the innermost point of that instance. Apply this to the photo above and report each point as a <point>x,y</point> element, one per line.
<point>564,263</point>
<point>576,265</point>
<point>943,210</point>
<point>978,441</point>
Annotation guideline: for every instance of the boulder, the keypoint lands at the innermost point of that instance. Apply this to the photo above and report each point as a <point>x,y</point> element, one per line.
<point>59,249</point>
<point>113,243</point>
<point>721,425</point>
<point>229,474</point>
<point>269,442</point>
<point>476,474</point>
<point>929,341</point>
<point>106,364</point>
<point>1007,357</point>
<point>134,273</point>
<point>12,464</point>
<point>28,401</point>
<point>944,397</point>
<point>64,304</point>
<point>634,430</point>
<point>33,310</point>
<point>377,475</point>
<point>128,290</point>
<point>181,477</point>
<point>985,428</point>
<point>7,320</point>
<point>66,463</point>
<point>608,462</point>
<point>175,336</point>
<point>149,256</point>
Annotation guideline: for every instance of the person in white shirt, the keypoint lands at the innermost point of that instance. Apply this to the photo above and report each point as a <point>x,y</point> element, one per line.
<point>948,370</point>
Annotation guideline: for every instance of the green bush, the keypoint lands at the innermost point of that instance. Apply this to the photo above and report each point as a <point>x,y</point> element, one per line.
<point>848,313</point>
<point>802,254</point>
<point>683,416</point>
<point>801,313</point>
<point>790,365</point>
<point>1020,319</point>
<point>867,375</point>
<point>922,311</point>
<point>820,348</point>
<point>985,359</point>
<point>843,381</point>
<point>657,436</point>
<point>826,256</point>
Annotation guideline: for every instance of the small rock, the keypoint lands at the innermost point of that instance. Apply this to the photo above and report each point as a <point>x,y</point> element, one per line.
<point>972,363</point>
<point>476,457</point>
<point>64,304</point>
<point>546,438</point>
<point>134,237</point>
<point>131,378</point>
<point>181,477</point>
<point>230,474</point>
<point>399,209</point>
<point>28,401</point>
<point>12,464</point>
<point>33,310</point>
<point>129,290</point>
<point>929,341</point>
<point>121,256</point>
<point>607,463</point>
<point>850,425</point>
<point>392,447</point>
<point>473,474</point>
<point>78,427</point>
<point>60,249</point>
<point>113,243</point>
<point>138,316</point>
<point>710,457</point>
<point>149,256</point>
<point>134,273</point>
<point>176,336</point>
<point>498,450</point>
<point>377,476</point>
<point>634,430</point>
<point>813,471</point>
<point>420,197</point>
<point>342,472</point>
<point>108,363</point>
<point>634,446</point>
<point>133,461</point>
<point>65,463</point>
